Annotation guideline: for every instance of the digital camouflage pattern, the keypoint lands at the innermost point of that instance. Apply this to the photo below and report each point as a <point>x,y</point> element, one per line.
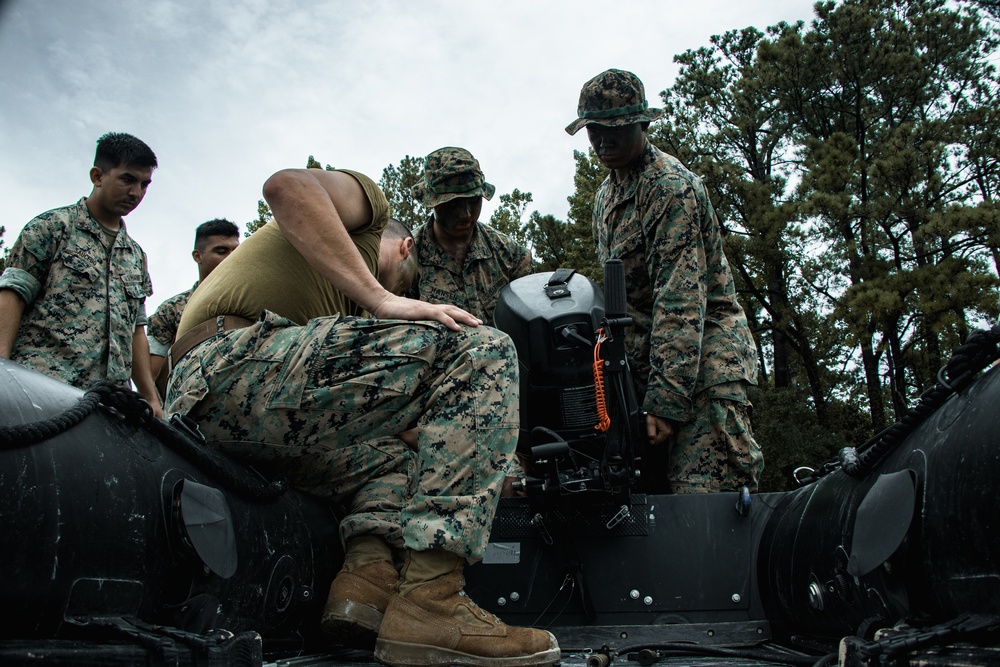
<point>450,173</point>
<point>715,451</point>
<point>82,306</point>
<point>311,402</point>
<point>689,332</point>
<point>162,330</point>
<point>613,97</point>
<point>492,261</point>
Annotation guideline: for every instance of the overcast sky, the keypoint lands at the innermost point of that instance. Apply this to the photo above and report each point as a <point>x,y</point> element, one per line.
<point>228,92</point>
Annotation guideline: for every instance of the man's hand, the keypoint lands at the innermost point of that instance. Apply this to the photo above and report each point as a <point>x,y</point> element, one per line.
<point>513,488</point>
<point>658,429</point>
<point>400,308</point>
<point>154,402</point>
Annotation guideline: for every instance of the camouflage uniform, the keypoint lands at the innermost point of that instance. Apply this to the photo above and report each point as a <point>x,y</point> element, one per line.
<point>84,303</point>
<point>163,323</point>
<point>492,260</point>
<point>320,404</point>
<point>690,348</point>
<point>306,401</point>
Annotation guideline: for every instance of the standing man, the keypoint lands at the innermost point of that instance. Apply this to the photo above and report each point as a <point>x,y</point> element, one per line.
<point>690,347</point>
<point>282,371</point>
<point>213,241</point>
<point>73,294</point>
<point>462,261</point>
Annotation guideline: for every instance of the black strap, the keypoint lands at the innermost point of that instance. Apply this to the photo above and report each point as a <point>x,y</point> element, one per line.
<point>557,287</point>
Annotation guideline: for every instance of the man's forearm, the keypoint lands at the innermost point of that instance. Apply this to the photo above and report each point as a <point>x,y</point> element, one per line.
<point>142,376</point>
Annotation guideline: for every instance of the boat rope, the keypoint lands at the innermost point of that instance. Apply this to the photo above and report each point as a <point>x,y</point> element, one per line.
<point>179,436</point>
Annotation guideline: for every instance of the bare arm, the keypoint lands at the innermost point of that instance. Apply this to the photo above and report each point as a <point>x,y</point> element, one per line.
<point>11,310</point>
<point>142,376</point>
<point>316,210</point>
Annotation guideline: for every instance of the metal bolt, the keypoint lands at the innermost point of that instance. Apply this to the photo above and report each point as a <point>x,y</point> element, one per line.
<point>648,600</point>
<point>711,633</point>
<point>816,596</point>
<point>634,594</point>
<point>736,598</point>
<point>515,596</point>
<point>501,601</point>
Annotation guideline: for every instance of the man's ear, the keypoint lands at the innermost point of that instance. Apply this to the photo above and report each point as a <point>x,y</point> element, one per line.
<point>95,176</point>
<point>406,247</point>
<point>196,256</point>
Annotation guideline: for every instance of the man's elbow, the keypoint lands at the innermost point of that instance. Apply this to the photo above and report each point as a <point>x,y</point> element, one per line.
<point>280,184</point>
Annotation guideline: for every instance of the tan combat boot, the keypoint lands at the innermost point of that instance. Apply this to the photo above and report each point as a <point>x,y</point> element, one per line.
<point>360,593</point>
<point>433,622</point>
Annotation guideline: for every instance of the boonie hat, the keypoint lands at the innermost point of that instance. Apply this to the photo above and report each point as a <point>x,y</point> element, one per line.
<point>450,173</point>
<point>613,97</point>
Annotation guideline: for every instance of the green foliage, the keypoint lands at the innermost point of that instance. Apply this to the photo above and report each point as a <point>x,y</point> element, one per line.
<point>396,183</point>
<point>791,435</point>
<point>854,164</point>
<point>578,235</point>
<point>508,217</point>
<point>313,163</point>
<point>263,217</point>
<point>890,103</point>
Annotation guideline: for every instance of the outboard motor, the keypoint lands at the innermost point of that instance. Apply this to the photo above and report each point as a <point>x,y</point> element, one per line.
<point>578,408</point>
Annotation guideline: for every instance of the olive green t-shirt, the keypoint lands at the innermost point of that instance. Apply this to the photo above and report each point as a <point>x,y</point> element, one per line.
<point>267,273</point>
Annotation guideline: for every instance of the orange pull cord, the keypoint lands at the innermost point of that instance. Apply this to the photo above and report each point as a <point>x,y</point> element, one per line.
<point>604,421</point>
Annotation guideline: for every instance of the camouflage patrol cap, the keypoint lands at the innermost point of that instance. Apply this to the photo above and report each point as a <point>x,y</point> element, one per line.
<point>450,173</point>
<point>613,97</point>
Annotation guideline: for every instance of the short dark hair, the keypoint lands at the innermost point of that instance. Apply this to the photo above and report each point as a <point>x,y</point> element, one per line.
<point>117,148</point>
<point>395,229</point>
<point>216,227</point>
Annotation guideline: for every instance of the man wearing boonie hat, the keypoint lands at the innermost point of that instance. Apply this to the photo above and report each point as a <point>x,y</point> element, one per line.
<point>690,348</point>
<point>462,261</point>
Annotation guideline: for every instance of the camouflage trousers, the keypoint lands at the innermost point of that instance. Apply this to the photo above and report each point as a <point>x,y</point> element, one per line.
<point>715,451</point>
<point>319,403</point>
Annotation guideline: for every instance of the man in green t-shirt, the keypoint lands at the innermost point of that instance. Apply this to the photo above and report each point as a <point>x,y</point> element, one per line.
<point>288,380</point>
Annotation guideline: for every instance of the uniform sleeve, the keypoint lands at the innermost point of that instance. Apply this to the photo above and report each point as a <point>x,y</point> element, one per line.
<point>27,266</point>
<point>676,261</point>
<point>523,267</point>
<point>158,332</point>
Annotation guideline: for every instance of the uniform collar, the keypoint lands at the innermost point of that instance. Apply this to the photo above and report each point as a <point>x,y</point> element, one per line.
<point>85,221</point>
<point>430,252</point>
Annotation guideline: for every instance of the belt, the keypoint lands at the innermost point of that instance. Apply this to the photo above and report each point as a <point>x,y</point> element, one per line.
<point>193,338</point>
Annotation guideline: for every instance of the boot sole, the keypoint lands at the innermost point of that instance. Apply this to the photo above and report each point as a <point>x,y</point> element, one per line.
<point>351,623</point>
<point>404,654</point>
